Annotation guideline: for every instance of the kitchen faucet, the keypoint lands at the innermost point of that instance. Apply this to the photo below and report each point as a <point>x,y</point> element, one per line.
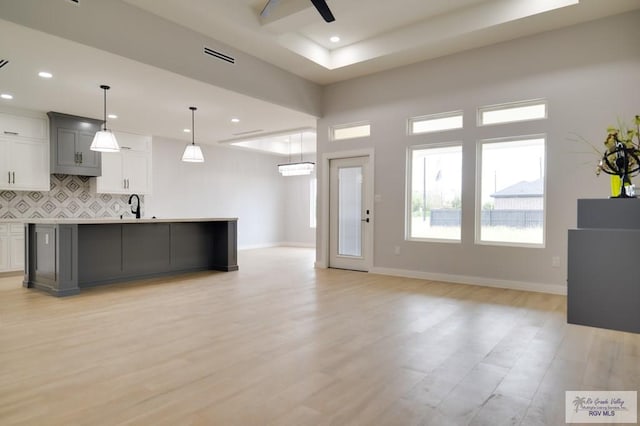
<point>135,210</point>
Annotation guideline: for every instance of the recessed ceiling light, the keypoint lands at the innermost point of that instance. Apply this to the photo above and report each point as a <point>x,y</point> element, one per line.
<point>45,74</point>
<point>6,96</point>
<point>235,120</point>
<point>187,130</point>
<point>334,39</point>
<point>112,116</point>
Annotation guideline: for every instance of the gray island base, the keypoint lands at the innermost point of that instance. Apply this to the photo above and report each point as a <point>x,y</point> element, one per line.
<point>64,256</point>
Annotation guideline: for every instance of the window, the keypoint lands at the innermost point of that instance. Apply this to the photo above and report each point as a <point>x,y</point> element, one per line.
<point>512,112</point>
<point>313,191</point>
<point>510,209</point>
<point>435,123</point>
<point>434,192</point>
<point>350,131</point>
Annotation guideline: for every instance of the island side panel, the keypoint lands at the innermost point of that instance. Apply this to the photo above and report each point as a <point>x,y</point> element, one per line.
<point>52,258</point>
<point>225,246</point>
<point>99,254</point>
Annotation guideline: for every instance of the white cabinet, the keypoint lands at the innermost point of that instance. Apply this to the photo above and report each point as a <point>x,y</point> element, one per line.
<point>127,171</point>
<point>25,127</point>
<point>24,153</point>
<point>11,247</point>
<point>24,164</point>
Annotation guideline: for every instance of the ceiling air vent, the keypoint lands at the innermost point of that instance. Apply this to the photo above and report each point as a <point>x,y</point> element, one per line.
<point>219,55</point>
<point>74,2</point>
<point>3,62</point>
<point>247,132</point>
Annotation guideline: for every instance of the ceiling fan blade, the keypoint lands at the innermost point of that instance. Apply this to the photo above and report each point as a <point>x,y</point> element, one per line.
<point>324,10</point>
<point>267,7</point>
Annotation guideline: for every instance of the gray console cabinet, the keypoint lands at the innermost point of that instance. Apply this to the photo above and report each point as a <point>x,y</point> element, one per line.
<point>71,138</point>
<point>603,286</point>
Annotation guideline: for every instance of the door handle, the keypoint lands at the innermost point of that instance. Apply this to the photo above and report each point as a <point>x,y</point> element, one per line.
<point>364,220</point>
<point>6,132</point>
<point>14,176</point>
<point>81,161</point>
<point>9,177</point>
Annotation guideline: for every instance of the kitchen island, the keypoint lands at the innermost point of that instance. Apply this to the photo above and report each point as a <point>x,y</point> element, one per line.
<point>63,256</point>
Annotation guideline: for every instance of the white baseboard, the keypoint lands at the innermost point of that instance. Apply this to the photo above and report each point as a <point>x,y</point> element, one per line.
<point>463,279</point>
<point>320,265</point>
<point>294,244</point>
<point>258,246</point>
<point>278,244</point>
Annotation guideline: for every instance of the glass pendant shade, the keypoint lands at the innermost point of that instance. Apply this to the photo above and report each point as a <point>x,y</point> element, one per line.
<point>296,169</point>
<point>105,140</point>
<point>192,152</point>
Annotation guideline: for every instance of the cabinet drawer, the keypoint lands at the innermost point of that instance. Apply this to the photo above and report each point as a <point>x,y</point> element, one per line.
<point>28,127</point>
<point>16,228</point>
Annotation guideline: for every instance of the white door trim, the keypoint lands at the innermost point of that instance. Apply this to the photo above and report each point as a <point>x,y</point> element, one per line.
<point>322,248</point>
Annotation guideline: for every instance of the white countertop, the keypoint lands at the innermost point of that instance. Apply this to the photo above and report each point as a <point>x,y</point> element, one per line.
<point>83,221</point>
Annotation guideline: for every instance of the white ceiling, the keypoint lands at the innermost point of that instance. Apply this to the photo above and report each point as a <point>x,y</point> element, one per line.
<point>375,36</point>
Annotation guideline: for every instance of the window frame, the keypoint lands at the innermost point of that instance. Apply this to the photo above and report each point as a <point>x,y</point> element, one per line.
<point>511,105</point>
<point>313,197</point>
<point>436,116</point>
<point>332,130</point>
<point>478,192</point>
<point>409,190</point>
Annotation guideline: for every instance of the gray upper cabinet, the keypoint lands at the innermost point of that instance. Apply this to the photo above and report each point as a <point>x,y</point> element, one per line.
<point>71,137</point>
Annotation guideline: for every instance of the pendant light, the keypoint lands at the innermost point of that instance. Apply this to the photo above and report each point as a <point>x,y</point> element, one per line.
<point>105,140</point>
<point>192,152</point>
<point>298,168</point>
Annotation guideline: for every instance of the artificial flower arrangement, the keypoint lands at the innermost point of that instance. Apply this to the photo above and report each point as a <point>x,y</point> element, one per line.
<point>621,158</point>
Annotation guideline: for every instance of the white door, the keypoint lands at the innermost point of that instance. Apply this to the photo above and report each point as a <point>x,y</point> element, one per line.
<point>350,214</point>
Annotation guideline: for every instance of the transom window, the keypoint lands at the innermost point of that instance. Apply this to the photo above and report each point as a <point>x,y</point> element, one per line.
<point>350,131</point>
<point>512,112</point>
<point>435,122</point>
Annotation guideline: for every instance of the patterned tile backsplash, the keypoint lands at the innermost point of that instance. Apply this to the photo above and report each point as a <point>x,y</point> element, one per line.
<point>70,196</point>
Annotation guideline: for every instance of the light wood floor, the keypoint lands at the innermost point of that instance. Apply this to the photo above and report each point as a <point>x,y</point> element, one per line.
<point>282,343</point>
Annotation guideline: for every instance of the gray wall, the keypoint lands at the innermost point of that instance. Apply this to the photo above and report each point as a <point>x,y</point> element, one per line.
<point>590,75</point>
<point>230,183</point>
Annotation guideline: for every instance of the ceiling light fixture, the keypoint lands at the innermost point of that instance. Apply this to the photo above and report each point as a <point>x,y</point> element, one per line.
<point>334,39</point>
<point>112,116</point>
<point>6,96</point>
<point>105,140</point>
<point>296,169</point>
<point>192,152</point>
<point>187,130</point>
<point>235,120</point>
<point>45,74</point>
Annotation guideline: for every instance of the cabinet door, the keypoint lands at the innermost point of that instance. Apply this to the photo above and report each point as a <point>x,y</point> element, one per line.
<point>66,148</point>
<point>5,174</point>
<point>112,179</point>
<point>137,166</point>
<point>16,252</point>
<point>4,253</point>
<point>27,127</point>
<point>28,160</point>
<point>88,158</point>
